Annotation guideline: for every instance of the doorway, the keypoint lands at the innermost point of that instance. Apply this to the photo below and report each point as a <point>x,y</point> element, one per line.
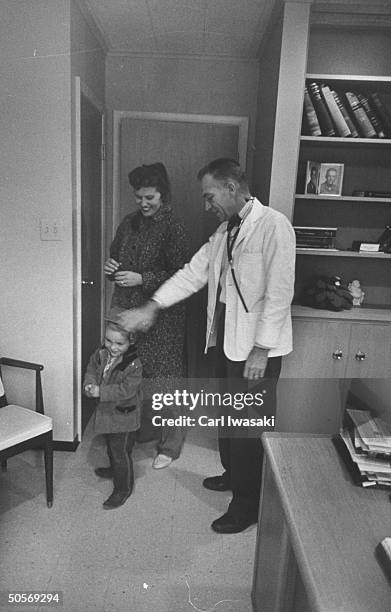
<point>90,185</point>
<point>184,143</point>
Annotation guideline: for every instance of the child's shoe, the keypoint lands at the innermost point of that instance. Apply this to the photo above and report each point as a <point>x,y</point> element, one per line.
<point>116,499</point>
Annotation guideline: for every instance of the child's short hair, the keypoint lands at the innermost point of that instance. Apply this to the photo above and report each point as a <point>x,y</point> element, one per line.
<point>117,328</point>
<point>111,320</point>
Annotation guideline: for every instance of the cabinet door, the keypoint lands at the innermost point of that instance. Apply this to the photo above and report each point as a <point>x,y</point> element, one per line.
<point>320,349</point>
<point>369,351</point>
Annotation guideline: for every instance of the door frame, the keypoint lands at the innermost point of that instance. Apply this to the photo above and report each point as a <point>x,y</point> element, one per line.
<point>240,122</point>
<point>80,88</point>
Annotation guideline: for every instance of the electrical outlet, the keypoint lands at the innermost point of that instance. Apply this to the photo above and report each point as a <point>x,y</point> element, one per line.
<point>50,229</point>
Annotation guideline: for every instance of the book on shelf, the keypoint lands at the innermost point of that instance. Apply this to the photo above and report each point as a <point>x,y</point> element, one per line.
<point>312,230</point>
<point>315,246</point>
<point>357,114</point>
<point>383,112</point>
<point>371,194</point>
<point>353,131</point>
<point>340,126</point>
<point>311,116</point>
<point>365,127</point>
<point>372,115</point>
<point>365,445</point>
<point>325,123</point>
<point>315,237</point>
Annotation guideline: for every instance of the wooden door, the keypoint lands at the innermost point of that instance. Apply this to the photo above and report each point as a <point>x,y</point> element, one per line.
<point>183,147</point>
<point>370,351</point>
<point>91,229</point>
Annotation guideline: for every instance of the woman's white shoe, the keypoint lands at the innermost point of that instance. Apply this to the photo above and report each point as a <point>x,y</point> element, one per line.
<point>161,461</point>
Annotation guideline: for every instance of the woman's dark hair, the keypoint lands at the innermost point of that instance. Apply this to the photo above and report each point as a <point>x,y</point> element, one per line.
<point>152,175</point>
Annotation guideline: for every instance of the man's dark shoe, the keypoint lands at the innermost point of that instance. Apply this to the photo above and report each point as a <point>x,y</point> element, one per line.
<point>216,483</point>
<point>105,472</point>
<point>232,524</point>
<point>116,499</point>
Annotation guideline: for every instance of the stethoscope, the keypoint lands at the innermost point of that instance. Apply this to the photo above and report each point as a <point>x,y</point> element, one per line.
<point>231,239</point>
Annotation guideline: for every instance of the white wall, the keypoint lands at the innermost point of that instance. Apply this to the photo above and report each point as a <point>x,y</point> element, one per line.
<point>36,318</point>
<point>267,100</point>
<point>182,85</point>
<point>36,321</point>
<point>88,57</point>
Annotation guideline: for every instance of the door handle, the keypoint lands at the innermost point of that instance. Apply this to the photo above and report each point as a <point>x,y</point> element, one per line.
<point>87,283</point>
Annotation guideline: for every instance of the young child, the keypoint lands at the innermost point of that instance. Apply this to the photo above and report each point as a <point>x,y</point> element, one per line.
<point>114,376</point>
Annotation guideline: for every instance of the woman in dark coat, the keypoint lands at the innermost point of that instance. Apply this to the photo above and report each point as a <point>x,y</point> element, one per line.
<point>149,246</point>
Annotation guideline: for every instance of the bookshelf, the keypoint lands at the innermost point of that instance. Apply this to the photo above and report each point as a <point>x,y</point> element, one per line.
<point>367,167</point>
<point>345,58</point>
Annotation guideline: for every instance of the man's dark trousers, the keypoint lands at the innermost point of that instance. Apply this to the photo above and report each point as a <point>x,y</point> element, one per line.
<point>241,451</point>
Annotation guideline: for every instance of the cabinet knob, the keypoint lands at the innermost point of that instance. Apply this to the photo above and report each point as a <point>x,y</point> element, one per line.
<point>88,283</point>
<point>360,356</point>
<point>337,354</point>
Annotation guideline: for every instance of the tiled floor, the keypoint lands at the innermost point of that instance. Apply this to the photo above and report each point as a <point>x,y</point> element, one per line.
<point>156,553</point>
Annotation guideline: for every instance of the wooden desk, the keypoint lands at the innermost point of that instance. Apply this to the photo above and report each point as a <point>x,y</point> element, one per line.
<point>317,532</point>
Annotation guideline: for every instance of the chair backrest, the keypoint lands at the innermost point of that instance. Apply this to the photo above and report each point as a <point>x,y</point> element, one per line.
<point>28,365</point>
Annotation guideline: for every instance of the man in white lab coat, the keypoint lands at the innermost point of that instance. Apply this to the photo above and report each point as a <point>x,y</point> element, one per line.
<point>248,264</point>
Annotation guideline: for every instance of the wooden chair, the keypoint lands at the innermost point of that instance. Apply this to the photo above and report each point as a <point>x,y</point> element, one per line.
<point>22,429</point>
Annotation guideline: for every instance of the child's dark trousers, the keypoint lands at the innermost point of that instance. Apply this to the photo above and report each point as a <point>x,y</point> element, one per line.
<point>119,450</point>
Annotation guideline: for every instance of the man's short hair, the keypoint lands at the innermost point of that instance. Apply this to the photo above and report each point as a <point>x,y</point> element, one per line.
<point>223,169</point>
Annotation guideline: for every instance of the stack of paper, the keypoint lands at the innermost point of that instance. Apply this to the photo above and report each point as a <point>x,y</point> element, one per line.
<point>366,446</point>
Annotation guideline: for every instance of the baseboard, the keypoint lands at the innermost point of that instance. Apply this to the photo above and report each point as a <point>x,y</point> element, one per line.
<point>61,445</point>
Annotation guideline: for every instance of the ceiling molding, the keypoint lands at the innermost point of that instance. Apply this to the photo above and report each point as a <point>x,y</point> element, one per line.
<point>181,56</point>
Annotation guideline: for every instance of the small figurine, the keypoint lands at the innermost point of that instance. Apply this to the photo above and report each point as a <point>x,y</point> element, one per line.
<point>356,292</point>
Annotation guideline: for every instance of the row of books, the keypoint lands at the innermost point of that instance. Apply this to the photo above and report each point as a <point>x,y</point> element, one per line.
<point>309,237</point>
<point>344,113</point>
<point>365,445</point>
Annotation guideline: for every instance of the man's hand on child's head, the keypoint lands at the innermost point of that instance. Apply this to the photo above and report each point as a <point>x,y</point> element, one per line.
<point>139,319</point>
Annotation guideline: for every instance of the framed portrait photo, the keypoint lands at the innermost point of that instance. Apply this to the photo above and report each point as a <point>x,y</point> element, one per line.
<point>312,178</point>
<point>330,179</point>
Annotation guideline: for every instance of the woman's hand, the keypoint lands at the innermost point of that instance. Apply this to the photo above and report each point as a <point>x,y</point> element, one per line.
<point>91,390</point>
<point>128,279</point>
<point>111,266</point>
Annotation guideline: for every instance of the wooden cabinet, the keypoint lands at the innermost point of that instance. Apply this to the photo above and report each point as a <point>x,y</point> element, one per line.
<point>320,349</point>
<point>330,349</point>
<point>369,351</point>
<point>326,347</point>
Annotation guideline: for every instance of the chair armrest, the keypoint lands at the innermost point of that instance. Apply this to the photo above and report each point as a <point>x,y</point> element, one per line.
<point>21,364</point>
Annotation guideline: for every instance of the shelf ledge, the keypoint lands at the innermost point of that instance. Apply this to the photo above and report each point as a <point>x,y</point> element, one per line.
<point>305,196</point>
<point>358,313</point>
<point>338,140</point>
<point>338,253</point>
